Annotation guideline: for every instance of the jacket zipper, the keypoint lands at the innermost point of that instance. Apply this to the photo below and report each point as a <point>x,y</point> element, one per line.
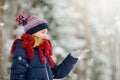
<point>46,69</point>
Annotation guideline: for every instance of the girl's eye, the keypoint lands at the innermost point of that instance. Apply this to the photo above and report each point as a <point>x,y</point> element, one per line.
<point>43,32</point>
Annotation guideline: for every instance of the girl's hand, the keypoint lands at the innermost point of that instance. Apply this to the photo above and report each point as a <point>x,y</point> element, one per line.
<point>80,54</point>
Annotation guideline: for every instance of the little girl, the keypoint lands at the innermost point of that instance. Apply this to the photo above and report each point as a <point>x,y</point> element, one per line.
<point>32,53</point>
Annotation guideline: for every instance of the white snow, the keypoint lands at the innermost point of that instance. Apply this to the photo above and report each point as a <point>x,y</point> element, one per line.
<point>74,24</point>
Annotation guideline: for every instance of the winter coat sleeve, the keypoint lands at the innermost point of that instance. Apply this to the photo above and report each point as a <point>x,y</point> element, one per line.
<point>19,63</point>
<point>63,69</point>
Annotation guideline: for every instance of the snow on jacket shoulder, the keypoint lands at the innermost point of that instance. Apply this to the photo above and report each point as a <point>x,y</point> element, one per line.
<point>24,69</point>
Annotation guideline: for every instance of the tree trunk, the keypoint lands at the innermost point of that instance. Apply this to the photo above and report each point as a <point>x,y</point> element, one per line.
<point>84,72</point>
<point>2,3</point>
<point>2,10</point>
<point>112,54</point>
<point>0,55</point>
<point>86,22</point>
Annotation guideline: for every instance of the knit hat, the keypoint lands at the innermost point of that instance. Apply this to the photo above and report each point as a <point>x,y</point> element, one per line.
<point>32,24</point>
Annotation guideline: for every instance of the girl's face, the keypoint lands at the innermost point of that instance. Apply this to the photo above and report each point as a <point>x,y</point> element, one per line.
<point>42,34</point>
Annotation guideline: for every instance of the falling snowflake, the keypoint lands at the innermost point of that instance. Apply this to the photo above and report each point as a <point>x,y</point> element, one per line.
<point>1,24</point>
<point>103,42</point>
<point>27,65</point>
<point>20,58</point>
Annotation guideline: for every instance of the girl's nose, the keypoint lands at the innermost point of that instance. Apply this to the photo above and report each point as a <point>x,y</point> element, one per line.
<point>45,37</point>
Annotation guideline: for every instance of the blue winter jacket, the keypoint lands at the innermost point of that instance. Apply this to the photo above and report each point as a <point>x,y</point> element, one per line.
<point>24,69</point>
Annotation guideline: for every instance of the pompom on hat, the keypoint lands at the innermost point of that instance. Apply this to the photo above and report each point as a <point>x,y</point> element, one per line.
<point>32,24</point>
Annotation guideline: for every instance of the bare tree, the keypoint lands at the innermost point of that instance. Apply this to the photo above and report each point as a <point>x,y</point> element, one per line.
<point>83,74</point>
<point>1,24</point>
<point>0,55</point>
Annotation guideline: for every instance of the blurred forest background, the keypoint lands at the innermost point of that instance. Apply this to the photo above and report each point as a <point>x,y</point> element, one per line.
<point>74,24</point>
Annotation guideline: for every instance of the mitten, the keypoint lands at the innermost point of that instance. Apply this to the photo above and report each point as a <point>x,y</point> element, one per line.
<point>80,54</point>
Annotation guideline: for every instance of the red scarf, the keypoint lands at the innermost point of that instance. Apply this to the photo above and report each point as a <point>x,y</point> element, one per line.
<point>28,43</point>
